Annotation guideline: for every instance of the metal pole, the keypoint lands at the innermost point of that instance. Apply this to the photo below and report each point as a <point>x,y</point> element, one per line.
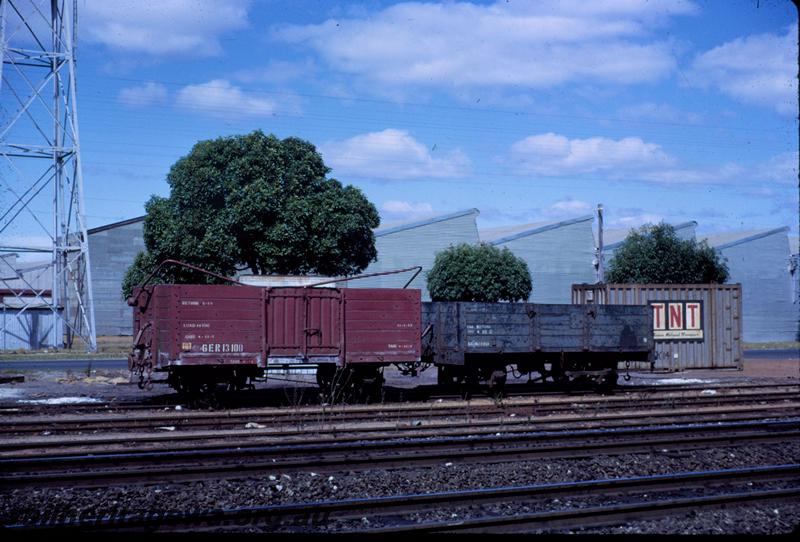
<point>2,42</point>
<point>600,262</point>
<point>58,196</point>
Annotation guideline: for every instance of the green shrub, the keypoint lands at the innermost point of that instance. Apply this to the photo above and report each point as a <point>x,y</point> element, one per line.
<point>478,273</point>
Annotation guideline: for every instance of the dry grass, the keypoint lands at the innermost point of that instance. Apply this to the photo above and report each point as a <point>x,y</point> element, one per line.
<point>785,345</point>
<point>108,347</point>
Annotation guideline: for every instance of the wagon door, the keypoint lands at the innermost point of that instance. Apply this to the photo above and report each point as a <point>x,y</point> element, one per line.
<point>323,330</point>
<point>303,325</point>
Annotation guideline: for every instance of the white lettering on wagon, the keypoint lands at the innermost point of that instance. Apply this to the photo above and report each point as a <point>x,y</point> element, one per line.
<point>222,348</point>
<point>195,325</point>
<point>394,346</point>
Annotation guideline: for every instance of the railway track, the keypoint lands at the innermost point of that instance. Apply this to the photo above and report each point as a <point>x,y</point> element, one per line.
<point>54,445</point>
<point>249,400</point>
<point>621,499</point>
<point>321,456</point>
<point>397,413</point>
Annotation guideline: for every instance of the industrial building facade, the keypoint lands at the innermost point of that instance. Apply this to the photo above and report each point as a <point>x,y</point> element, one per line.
<point>761,261</point>
<point>416,243</point>
<point>112,249</point>
<point>558,255</point>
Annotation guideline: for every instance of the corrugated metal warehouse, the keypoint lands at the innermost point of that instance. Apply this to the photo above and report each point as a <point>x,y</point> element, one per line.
<point>24,320</point>
<point>416,243</point>
<point>761,261</point>
<point>112,249</point>
<point>558,254</point>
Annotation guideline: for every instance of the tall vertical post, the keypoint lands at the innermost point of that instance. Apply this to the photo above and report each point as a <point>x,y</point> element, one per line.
<point>600,259</point>
<point>40,167</point>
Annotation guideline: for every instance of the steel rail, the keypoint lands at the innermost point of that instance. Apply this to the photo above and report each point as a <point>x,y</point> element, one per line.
<point>365,455</point>
<point>320,512</point>
<point>594,516</point>
<point>19,424</point>
<point>111,408</point>
<point>52,445</point>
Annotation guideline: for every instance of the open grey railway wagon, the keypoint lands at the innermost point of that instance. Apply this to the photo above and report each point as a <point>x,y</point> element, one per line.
<point>472,342</point>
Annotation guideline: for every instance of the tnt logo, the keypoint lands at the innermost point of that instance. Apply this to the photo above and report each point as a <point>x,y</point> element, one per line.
<point>675,320</point>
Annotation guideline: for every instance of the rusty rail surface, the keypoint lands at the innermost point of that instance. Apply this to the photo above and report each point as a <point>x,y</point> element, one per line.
<point>160,440</point>
<point>102,469</point>
<point>598,407</point>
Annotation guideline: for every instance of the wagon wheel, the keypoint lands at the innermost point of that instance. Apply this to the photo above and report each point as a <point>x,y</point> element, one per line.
<point>608,382</point>
<point>558,374</point>
<point>497,382</point>
<point>368,385</point>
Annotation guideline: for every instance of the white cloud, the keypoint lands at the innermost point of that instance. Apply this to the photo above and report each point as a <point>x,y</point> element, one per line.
<point>461,44</point>
<point>567,207</point>
<point>143,95</point>
<point>277,71</point>
<point>635,221</point>
<point>649,111</point>
<point>219,98</point>
<point>392,154</point>
<point>163,27</point>
<point>759,69</point>
<point>782,168</point>
<point>394,209</point>
<point>555,154</point>
<point>725,173</point>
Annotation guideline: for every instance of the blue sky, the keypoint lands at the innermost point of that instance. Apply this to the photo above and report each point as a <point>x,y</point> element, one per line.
<point>529,111</point>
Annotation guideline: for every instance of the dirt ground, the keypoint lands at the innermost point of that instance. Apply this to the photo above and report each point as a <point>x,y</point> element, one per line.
<point>782,368</point>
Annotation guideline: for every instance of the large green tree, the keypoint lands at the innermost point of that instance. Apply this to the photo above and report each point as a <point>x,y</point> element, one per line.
<point>654,254</point>
<point>260,203</point>
<point>478,273</point>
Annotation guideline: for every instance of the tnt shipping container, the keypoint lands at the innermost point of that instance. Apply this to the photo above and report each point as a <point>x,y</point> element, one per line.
<point>696,326</point>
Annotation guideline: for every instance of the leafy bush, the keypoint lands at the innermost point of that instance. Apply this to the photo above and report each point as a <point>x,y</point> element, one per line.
<point>478,273</point>
<point>655,255</point>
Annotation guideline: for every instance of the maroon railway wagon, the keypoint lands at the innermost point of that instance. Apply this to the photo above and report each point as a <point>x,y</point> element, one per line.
<point>203,335</point>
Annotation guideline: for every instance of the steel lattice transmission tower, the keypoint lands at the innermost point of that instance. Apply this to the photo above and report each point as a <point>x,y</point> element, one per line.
<point>41,183</point>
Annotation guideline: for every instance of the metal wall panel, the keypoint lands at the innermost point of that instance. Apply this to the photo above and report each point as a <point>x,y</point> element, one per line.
<point>31,330</point>
<point>417,244</point>
<point>113,250</point>
<point>720,346</point>
<point>556,258</point>
<point>761,265</point>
